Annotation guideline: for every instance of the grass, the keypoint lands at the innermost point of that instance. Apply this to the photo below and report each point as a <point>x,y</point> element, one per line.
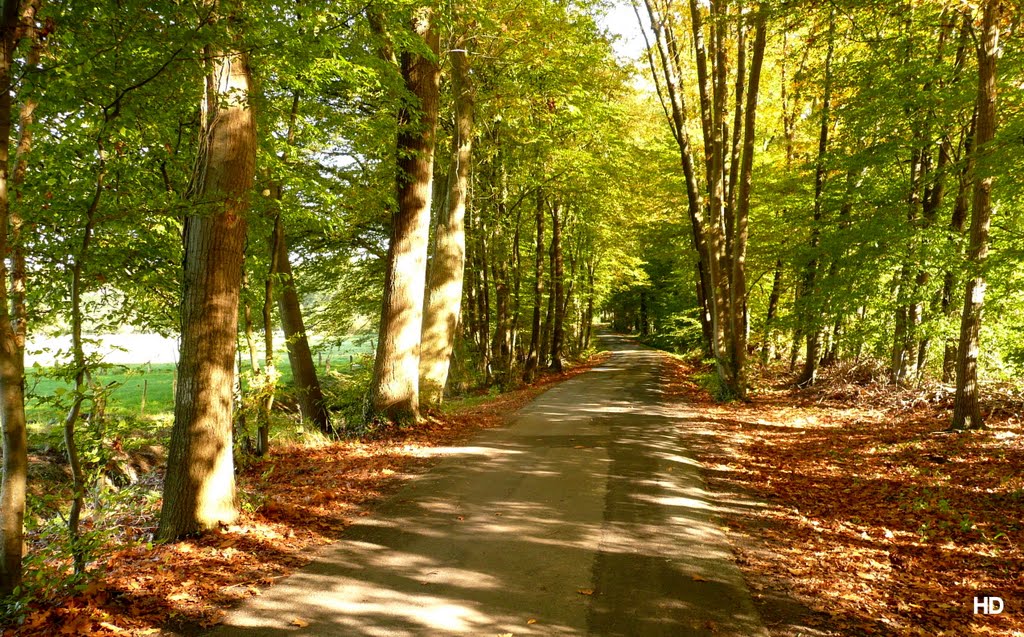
<point>130,384</point>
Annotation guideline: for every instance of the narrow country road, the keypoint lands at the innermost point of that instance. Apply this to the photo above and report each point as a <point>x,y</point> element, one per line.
<point>584,516</point>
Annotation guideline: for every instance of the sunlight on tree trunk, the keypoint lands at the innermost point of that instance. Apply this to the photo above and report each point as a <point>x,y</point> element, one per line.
<point>394,390</point>
<point>12,334</point>
<point>966,409</point>
<point>199,490</point>
<point>444,296</point>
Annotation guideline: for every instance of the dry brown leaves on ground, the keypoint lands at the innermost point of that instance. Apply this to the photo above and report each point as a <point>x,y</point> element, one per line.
<point>301,497</point>
<point>852,500</point>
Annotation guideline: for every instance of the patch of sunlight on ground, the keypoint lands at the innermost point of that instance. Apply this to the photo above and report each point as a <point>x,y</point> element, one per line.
<point>438,452</point>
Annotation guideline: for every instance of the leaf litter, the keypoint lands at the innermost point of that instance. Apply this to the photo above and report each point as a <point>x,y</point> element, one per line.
<point>305,496</point>
<point>859,509</point>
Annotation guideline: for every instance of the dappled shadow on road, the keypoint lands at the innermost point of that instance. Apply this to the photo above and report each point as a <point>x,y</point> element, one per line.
<point>584,517</point>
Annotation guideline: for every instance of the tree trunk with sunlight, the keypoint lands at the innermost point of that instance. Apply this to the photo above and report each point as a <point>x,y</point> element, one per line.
<point>394,390</point>
<point>966,409</point>
<point>199,490</point>
<point>12,329</point>
<point>444,287</point>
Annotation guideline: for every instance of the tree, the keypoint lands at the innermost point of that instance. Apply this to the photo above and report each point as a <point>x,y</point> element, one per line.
<point>394,390</point>
<point>966,408</point>
<point>444,286</point>
<point>718,217</point>
<point>199,489</point>
<point>12,331</point>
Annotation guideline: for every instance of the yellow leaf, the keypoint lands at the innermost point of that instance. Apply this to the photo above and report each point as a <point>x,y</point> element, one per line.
<point>301,623</point>
<point>531,621</point>
<point>698,578</point>
<point>112,627</point>
<point>585,591</point>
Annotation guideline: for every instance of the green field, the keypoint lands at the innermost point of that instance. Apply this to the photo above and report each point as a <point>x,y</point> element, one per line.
<point>129,384</point>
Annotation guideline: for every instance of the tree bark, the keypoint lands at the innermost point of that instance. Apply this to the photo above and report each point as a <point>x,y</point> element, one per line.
<point>269,389</point>
<point>811,319</point>
<point>304,376</point>
<point>956,225</point>
<point>199,489</point>
<point>966,407</point>
<point>536,336</point>
<point>669,54</point>
<point>394,390</point>
<point>738,288</point>
<point>444,295</point>
<point>558,290</point>
<point>12,341</point>
<point>768,348</point>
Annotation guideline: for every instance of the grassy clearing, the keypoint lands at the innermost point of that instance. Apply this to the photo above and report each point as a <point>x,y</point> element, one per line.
<point>144,393</point>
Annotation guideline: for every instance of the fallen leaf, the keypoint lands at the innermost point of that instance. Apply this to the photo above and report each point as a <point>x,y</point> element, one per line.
<point>112,627</point>
<point>585,591</point>
<point>698,578</point>
<point>531,621</point>
<point>301,623</point>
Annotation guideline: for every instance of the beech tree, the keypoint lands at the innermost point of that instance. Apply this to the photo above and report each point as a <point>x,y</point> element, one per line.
<point>394,391</point>
<point>718,211</point>
<point>442,314</point>
<point>12,322</point>
<point>199,489</point>
<point>967,410</point>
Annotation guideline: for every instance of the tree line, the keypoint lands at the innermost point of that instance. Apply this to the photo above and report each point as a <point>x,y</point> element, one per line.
<point>867,196</point>
<point>796,184</point>
<point>217,170</point>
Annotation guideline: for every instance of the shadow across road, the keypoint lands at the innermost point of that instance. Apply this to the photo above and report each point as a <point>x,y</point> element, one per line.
<point>584,515</point>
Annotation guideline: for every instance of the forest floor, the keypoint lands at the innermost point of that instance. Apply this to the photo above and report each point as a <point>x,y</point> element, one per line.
<point>861,515</point>
<point>862,508</point>
<point>296,499</point>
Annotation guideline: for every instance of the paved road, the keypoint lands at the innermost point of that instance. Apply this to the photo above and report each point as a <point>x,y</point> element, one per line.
<point>587,490</point>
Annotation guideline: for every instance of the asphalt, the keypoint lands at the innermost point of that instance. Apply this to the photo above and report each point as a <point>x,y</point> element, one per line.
<point>584,516</point>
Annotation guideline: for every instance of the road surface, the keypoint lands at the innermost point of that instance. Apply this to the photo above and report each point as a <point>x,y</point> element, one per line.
<point>583,516</point>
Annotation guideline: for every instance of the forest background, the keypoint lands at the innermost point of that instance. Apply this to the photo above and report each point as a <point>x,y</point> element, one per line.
<point>462,189</point>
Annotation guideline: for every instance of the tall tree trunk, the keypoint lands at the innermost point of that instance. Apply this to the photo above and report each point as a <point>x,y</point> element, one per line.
<point>811,318</point>
<point>645,320</point>
<point>831,355</point>
<point>78,358</point>
<point>309,394</point>
<point>961,206</point>
<point>394,389</point>
<point>966,407</point>
<point>669,55</point>
<point>557,287</point>
<point>444,295</point>
<point>513,327</point>
<point>268,391</point>
<point>12,315</point>
<point>588,316</point>
<point>956,225</point>
<point>768,348</point>
<point>738,289</point>
<point>484,300</point>
<point>536,336</point>
<point>304,376</point>
<point>199,489</point>
<point>714,148</point>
